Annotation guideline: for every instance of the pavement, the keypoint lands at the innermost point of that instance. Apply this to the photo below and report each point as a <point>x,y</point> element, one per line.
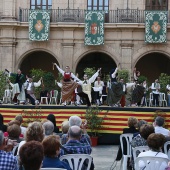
<point>104,156</point>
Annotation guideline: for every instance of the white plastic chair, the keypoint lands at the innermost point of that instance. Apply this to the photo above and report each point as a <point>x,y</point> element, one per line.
<point>138,150</point>
<point>46,100</point>
<point>151,163</point>
<point>162,100</point>
<point>7,96</point>
<point>52,169</point>
<point>128,138</point>
<point>167,149</point>
<point>76,160</point>
<point>53,98</point>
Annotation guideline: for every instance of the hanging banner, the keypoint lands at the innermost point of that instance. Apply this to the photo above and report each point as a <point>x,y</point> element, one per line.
<point>155,26</point>
<point>94,27</point>
<point>39,23</point>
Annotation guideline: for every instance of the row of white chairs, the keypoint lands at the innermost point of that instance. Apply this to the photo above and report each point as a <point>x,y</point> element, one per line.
<point>76,161</point>
<point>135,151</point>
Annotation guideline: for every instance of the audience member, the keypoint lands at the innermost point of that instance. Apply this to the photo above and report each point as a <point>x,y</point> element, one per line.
<point>14,132</point>
<point>155,143</point>
<point>3,127</point>
<point>141,139</point>
<point>74,146</point>
<point>64,128</point>
<point>51,117</point>
<point>48,127</point>
<point>20,119</point>
<point>132,124</point>
<point>7,160</point>
<point>51,151</point>
<point>76,121</point>
<point>159,122</point>
<point>31,155</point>
<point>35,131</point>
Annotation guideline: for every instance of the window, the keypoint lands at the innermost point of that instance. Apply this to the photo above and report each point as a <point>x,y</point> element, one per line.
<point>98,5</point>
<point>102,5</point>
<point>156,4</point>
<point>41,4</point>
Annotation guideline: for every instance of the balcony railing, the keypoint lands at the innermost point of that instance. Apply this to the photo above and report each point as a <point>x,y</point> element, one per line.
<point>78,15</point>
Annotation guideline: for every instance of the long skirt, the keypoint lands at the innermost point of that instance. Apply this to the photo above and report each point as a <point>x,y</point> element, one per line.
<point>114,93</point>
<point>137,94</point>
<point>68,88</point>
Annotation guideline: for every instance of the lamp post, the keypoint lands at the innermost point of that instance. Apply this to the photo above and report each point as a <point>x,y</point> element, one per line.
<point>68,4</point>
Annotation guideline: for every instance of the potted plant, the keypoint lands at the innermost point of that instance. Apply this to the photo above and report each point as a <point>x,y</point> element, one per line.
<point>94,122</point>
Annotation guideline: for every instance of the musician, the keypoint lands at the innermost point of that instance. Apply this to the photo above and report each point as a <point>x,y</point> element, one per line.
<point>168,93</point>
<point>155,91</point>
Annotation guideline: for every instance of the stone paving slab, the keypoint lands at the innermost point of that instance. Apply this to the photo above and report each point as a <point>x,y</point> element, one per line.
<point>104,155</point>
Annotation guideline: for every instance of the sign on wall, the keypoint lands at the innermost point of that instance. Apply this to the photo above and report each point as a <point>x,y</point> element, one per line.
<point>94,27</point>
<point>155,26</point>
<point>39,23</point>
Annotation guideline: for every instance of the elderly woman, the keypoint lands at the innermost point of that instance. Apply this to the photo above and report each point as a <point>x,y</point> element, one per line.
<point>51,151</point>
<point>35,132</point>
<point>31,155</point>
<point>132,124</point>
<point>48,127</point>
<point>141,139</point>
<point>155,143</point>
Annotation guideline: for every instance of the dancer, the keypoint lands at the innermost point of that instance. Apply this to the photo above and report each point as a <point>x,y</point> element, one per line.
<point>17,88</point>
<point>168,93</point>
<point>155,91</point>
<point>138,91</point>
<point>115,91</point>
<point>29,87</point>
<point>84,90</point>
<point>68,85</point>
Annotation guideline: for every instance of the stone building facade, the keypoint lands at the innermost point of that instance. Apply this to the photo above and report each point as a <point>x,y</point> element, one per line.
<point>124,40</point>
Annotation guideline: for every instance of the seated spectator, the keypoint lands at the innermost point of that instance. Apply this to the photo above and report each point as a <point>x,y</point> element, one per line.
<point>159,122</point>
<point>48,127</point>
<point>7,160</point>
<point>20,119</point>
<point>64,128</point>
<point>35,131</point>
<point>155,143</point>
<point>51,117</point>
<point>14,132</point>
<point>73,145</point>
<point>3,127</point>
<point>141,139</point>
<point>51,151</point>
<point>14,122</point>
<point>132,124</point>
<point>31,155</point>
<point>139,125</point>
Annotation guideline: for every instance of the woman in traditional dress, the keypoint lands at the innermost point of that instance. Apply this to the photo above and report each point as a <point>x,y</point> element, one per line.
<point>68,85</point>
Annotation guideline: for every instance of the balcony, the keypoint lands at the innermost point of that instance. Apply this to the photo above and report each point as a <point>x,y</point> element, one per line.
<point>78,15</point>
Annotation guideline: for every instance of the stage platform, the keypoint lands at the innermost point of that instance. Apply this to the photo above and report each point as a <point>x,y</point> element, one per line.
<point>114,122</point>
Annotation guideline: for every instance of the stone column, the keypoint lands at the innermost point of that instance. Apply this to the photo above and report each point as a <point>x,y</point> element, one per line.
<point>126,56</point>
<point>68,48</point>
<point>9,10</point>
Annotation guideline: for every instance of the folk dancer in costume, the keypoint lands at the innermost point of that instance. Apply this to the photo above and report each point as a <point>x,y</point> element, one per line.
<point>98,87</point>
<point>155,91</point>
<point>138,91</point>
<point>18,90</point>
<point>122,100</point>
<point>168,93</point>
<point>143,101</point>
<point>68,85</point>
<point>29,88</point>
<point>84,90</point>
<point>115,91</point>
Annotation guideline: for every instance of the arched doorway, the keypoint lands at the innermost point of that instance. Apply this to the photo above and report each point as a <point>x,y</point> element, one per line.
<point>38,60</point>
<point>153,64</point>
<point>96,60</point>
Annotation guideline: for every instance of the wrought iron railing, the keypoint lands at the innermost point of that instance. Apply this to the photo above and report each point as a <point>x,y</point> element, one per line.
<point>78,15</point>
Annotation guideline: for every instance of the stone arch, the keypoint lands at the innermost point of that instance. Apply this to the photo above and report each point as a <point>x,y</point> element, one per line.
<point>25,54</point>
<point>107,50</point>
